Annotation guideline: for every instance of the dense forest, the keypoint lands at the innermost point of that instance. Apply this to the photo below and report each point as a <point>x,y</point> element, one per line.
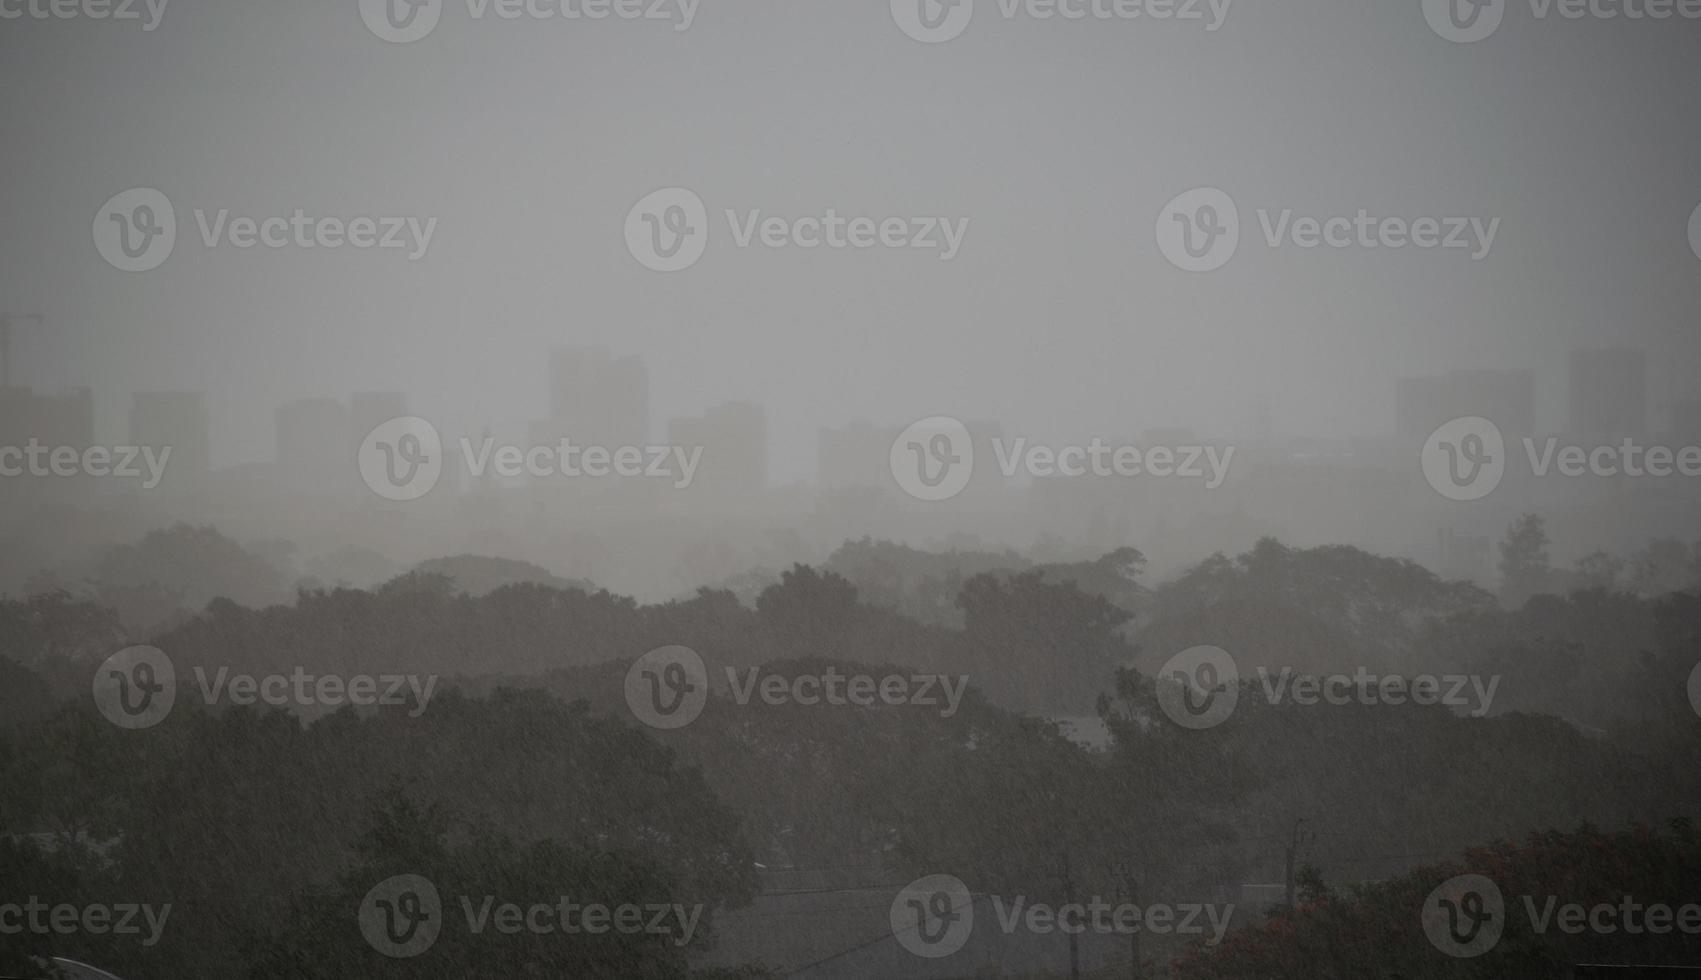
<point>518,774</point>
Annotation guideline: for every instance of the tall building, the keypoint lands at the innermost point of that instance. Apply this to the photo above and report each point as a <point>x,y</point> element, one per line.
<point>1506,398</point>
<point>313,444</point>
<point>734,438</point>
<point>1609,393</point>
<point>177,419</point>
<point>598,400</point>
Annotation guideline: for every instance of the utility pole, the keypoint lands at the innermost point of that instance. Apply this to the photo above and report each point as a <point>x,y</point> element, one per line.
<point>1069,899</point>
<point>6,320</point>
<point>1296,840</point>
<point>1129,890</point>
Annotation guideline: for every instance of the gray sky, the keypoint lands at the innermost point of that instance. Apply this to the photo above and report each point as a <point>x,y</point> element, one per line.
<point>529,141</point>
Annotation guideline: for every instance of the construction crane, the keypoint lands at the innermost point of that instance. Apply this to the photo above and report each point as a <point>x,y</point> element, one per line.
<point>6,320</point>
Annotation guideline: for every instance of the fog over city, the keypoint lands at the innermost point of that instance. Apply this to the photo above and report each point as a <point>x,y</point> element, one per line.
<point>843,488</point>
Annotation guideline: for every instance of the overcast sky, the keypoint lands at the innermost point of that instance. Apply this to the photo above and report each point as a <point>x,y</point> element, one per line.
<point>1060,141</point>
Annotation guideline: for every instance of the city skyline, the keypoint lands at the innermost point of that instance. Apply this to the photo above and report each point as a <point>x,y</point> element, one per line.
<point>1418,403</point>
<point>1059,309</point>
